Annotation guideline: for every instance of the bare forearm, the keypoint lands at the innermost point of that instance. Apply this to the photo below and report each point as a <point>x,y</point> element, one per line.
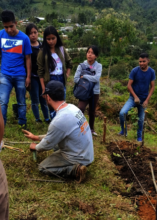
<point>28,67</point>
<point>68,72</point>
<point>35,138</point>
<point>132,91</point>
<point>150,93</point>
<point>42,83</point>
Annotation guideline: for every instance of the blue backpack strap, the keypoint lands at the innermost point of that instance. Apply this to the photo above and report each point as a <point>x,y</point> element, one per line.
<point>83,66</point>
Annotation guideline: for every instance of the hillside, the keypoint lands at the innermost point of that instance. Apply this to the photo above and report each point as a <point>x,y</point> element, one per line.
<point>138,9</point>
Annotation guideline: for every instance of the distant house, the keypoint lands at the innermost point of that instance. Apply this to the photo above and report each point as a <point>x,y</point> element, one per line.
<point>77,25</point>
<point>88,26</point>
<point>68,20</point>
<point>76,49</point>
<point>68,28</point>
<point>38,19</point>
<point>24,22</point>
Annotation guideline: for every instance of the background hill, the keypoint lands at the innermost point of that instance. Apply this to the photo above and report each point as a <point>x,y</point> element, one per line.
<point>138,9</point>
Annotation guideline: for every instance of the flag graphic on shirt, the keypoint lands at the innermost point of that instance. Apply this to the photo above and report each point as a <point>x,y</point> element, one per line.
<point>11,45</point>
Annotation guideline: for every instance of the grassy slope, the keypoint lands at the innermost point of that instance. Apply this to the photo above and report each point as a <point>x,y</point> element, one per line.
<point>64,200</point>
<point>65,9</point>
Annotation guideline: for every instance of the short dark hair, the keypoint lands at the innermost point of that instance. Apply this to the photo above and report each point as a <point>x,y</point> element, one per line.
<point>55,89</point>
<point>7,16</point>
<point>58,96</point>
<point>94,48</point>
<point>144,55</point>
<point>29,28</point>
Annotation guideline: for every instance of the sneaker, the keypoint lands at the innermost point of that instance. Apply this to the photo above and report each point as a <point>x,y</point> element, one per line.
<point>94,133</point>
<point>121,133</point>
<point>39,120</point>
<point>47,121</point>
<point>81,173</point>
<point>139,139</point>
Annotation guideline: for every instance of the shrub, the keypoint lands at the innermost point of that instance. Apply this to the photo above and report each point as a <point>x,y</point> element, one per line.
<point>118,87</point>
<point>119,71</point>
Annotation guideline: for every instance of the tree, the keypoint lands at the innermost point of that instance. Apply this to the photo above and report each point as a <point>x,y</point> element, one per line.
<point>82,19</point>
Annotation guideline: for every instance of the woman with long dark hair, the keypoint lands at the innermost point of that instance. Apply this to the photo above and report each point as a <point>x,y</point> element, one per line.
<point>53,61</point>
<point>36,90</point>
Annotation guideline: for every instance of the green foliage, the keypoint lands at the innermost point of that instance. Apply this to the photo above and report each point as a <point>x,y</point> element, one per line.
<point>119,71</point>
<point>133,117</point>
<point>50,17</point>
<point>116,32</point>
<point>153,99</point>
<point>119,88</point>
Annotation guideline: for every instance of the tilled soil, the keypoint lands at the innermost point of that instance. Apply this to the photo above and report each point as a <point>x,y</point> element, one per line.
<point>139,159</point>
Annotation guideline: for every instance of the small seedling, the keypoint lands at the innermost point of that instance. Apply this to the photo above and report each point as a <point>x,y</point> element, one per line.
<point>116,155</point>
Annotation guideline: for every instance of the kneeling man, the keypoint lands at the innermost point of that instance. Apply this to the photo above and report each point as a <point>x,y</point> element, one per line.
<point>70,132</point>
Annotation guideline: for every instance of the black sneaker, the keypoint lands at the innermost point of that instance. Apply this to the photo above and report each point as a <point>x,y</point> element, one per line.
<point>48,121</point>
<point>39,120</point>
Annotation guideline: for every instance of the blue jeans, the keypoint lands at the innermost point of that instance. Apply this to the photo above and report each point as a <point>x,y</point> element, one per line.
<point>36,98</point>
<point>6,85</point>
<point>141,114</point>
<point>59,78</point>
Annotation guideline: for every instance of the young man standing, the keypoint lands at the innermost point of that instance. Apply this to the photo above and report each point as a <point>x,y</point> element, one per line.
<point>15,52</point>
<point>69,135</point>
<point>141,78</point>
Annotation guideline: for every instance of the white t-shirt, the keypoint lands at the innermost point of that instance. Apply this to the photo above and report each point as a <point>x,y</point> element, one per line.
<point>59,68</point>
<point>71,131</point>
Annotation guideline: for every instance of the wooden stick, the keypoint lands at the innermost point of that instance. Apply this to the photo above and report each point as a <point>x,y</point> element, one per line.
<point>145,119</point>
<point>104,135</point>
<point>13,148</point>
<point>153,177</point>
<point>18,142</point>
<point>40,180</point>
<point>125,126</point>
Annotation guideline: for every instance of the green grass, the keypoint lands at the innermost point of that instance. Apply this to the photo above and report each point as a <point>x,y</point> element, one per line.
<point>65,9</point>
<point>97,198</point>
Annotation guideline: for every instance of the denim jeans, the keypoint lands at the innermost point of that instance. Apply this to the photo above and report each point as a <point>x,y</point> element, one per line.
<point>59,78</point>
<point>36,98</point>
<point>6,85</point>
<point>141,114</point>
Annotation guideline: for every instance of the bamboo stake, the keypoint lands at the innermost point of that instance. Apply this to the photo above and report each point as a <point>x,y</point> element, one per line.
<point>153,177</point>
<point>145,119</point>
<point>104,135</point>
<point>40,180</point>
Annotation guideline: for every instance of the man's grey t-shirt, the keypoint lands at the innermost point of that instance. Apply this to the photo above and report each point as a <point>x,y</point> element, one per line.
<point>71,131</point>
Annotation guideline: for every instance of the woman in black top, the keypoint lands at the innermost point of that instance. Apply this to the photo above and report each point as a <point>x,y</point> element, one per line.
<point>36,90</point>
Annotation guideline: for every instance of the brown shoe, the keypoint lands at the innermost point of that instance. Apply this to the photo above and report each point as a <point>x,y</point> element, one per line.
<point>81,173</point>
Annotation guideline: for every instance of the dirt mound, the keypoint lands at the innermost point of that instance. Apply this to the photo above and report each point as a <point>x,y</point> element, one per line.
<point>82,206</point>
<point>146,211</point>
<point>139,159</point>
